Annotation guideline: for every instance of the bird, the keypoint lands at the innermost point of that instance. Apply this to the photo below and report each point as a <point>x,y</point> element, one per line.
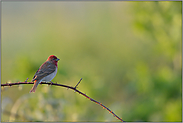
<point>46,72</point>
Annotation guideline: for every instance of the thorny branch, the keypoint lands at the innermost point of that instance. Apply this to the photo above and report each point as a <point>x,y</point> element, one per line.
<point>70,87</point>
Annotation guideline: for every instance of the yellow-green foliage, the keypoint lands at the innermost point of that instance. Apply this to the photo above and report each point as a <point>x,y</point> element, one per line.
<point>128,54</point>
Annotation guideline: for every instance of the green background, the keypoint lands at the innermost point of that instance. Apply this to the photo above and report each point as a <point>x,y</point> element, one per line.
<point>128,54</point>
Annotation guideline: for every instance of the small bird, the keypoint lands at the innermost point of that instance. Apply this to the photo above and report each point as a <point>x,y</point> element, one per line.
<point>46,72</point>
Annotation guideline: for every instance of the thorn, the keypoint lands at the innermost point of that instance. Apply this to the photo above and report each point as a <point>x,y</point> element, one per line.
<point>26,79</point>
<point>51,83</point>
<point>78,83</point>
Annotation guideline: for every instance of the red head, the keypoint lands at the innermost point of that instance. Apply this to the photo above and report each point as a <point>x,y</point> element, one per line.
<point>53,59</point>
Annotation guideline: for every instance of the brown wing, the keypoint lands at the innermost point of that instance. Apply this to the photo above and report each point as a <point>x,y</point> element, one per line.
<point>45,69</point>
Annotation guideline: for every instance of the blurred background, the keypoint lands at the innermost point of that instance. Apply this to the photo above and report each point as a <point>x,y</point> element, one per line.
<point>128,54</point>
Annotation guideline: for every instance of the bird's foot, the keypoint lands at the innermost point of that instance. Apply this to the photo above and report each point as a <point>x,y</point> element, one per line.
<point>51,83</point>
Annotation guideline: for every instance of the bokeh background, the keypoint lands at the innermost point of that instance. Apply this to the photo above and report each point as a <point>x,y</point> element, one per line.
<point>128,54</point>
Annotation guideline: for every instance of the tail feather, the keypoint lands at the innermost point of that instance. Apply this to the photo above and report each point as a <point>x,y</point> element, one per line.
<point>36,83</point>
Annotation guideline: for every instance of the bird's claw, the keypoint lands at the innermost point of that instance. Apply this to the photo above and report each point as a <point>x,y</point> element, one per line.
<point>51,83</point>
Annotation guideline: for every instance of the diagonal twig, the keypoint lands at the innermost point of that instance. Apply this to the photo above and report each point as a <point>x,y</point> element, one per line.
<point>78,83</point>
<point>70,87</point>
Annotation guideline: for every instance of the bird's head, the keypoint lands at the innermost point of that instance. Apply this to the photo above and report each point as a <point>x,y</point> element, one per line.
<point>53,59</point>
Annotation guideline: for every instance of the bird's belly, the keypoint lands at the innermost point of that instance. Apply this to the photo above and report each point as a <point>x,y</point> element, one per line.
<point>50,77</point>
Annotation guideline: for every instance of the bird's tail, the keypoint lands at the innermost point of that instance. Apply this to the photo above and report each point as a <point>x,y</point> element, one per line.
<point>36,83</point>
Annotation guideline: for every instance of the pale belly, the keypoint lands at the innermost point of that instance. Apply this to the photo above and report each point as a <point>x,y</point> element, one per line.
<point>50,77</point>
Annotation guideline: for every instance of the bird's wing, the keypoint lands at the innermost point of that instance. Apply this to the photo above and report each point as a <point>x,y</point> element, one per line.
<point>44,70</point>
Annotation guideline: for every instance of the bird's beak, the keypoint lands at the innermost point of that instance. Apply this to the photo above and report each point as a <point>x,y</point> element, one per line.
<point>57,59</point>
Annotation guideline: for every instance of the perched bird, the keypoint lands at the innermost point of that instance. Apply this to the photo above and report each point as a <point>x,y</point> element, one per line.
<point>46,72</point>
